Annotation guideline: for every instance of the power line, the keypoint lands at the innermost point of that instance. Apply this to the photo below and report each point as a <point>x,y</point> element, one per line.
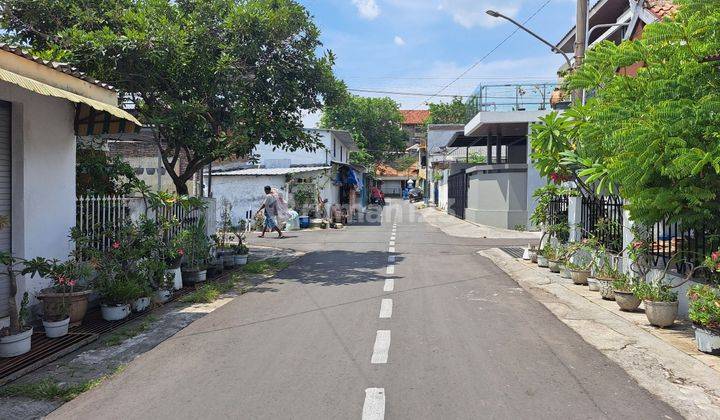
<point>500,44</point>
<point>448,78</point>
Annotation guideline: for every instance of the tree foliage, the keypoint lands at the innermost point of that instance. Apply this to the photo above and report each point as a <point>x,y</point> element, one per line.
<point>654,135</point>
<point>213,77</point>
<point>375,124</point>
<point>454,112</point>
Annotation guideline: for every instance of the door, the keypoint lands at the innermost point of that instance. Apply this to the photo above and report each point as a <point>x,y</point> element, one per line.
<point>457,195</point>
<point>5,196</point>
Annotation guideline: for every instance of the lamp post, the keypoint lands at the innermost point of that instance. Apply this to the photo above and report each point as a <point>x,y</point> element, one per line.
<point>495,14</point>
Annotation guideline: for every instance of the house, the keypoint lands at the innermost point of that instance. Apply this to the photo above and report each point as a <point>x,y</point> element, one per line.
<point>393,181</point>
<point>414,124</point>
<point>327,171</point>
<point>43,107</point>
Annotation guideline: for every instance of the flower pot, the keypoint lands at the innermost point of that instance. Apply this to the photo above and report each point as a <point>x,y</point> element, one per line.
<point>565,272</point>
<point>162,296</point>
<point>533,257</point>
<point>15,345</point>
<point>526,254</point>
<point>192,277</point>
<point>114,312</point>
<point>579,276</point>
<point>56,329</point>
<point>141,304</point>
<point>661,314</point>
<point>241,259</point>
<point>606,288</point>
<point>216,267</point>
<point>53,302</point>
<point>177,277</point>
<point>708,341</point>
<point>627,301</point>
<point>542,261</point>
<point>593,284</point>
<point>229,260</point>
<point>554,266</point>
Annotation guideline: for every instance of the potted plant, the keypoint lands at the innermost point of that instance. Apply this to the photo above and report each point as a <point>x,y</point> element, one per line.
<point>543,260</point>
<point>704,312</point>
<point>197,250</point>
<point>15,339</point>
<point>164,288</point>
<point>241,250</point>
<point>605,274</point>
<point>117,292</point>
<point>555,257</point>
<point>173,256</point>
<point>623,290</point>
<point>661,302</point>
<point>223,239</point>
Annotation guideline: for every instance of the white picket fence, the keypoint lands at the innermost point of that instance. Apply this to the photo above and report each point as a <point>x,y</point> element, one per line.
<point>100,217</point>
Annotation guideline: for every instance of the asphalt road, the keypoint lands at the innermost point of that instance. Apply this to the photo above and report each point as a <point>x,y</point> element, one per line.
<point>351,331</point>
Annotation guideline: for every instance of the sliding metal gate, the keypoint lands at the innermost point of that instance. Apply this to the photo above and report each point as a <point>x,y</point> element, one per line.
<point>457,195</point>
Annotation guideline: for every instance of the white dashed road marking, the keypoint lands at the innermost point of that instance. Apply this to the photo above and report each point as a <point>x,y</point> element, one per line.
<point>389,285</point>
<point>381,348</point>
<point>392,243</point>
<point>374,407</point>
<point>391,249</point>
<point>390,269</point>
<point>386,307</point>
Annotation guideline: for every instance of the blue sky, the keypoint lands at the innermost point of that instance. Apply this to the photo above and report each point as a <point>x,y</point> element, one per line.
<point>419,46</point>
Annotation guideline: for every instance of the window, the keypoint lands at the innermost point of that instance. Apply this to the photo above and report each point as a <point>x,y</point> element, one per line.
<point>334,153</point>
<point>341,153</point>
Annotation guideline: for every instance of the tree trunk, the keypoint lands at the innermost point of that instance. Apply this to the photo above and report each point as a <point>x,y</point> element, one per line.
<point>181,186</point>
<point>15,324</point>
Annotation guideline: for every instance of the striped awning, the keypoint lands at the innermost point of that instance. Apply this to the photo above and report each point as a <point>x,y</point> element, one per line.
<point>92,117</point>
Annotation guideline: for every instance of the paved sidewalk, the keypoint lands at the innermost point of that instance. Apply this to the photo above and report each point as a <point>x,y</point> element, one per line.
<point>453,226</point>
<point>663,361</point>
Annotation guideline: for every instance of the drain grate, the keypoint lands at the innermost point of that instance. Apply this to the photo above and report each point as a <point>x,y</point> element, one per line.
<point>513,252</point>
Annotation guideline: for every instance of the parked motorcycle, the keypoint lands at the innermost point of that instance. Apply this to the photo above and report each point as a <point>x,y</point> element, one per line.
<point>415,195</point>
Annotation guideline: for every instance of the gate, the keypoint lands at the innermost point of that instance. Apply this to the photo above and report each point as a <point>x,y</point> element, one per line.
<point>457,195</point>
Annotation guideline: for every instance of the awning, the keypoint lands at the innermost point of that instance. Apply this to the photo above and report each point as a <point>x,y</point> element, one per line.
<point>91,117</point>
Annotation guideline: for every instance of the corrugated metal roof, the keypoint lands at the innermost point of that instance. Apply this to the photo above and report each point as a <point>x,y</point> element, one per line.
<point>47,90</point>
<point>61,67</point>
<point>270,171</point>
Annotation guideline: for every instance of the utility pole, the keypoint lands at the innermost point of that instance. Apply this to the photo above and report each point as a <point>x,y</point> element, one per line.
<point>580,41</point>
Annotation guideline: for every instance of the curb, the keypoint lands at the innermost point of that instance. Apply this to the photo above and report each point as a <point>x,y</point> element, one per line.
<point>689,385</point>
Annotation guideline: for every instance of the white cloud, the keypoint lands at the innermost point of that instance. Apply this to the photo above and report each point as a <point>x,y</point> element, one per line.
<point>471,13</point>
<point>368,9</point>
<point>399,41</point>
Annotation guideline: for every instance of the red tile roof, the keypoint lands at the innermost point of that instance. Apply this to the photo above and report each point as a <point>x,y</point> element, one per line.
<point>661,8</point>
<point>382,169</point>
<point>415,116</point>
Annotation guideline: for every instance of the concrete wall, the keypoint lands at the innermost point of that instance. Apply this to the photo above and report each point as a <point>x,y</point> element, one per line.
<point>497,198</point>
<point>272,156</point>
<point>43,177</point>
<point>443,190</point>
<point>391,187</point>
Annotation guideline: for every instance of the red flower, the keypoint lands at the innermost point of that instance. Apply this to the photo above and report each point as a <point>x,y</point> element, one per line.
<point>555,177</point>
<point>71,283</point>
<point>116,245</point>
<point>715,255</point>
<point>638,244</point>
<point>181,252</point>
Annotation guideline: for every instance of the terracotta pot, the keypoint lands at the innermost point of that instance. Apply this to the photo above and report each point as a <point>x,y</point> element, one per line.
<point>606,288</point>
<point>77,301</point>
<point>627,301</point>
<point>580,277</point>
<point>661,314</point>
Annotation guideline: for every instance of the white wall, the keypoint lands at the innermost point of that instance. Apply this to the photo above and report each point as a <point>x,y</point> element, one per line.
<point>272,156</point>
<point>391,187</point>
<point>43,160</point>
<point>443,190</point>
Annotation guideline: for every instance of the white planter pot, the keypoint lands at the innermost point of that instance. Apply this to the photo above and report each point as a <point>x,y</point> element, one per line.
<point>592,282</point>
<point>542,261</point>
<point>241,259</point>
<point>15,345</point>
<point>163,296</point>
<point>708,341</point>
<point>177,279</point>
<point>141,304</point>
<point>627,301</point>
<point>661,314</point>
<point>56,329</point>
<point>114,312</point>
<point>526,254</point>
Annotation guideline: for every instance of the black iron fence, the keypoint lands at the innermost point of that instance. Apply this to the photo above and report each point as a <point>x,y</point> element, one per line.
<point>601,217</point>
<point>681,246</point>
<point>558,216</point>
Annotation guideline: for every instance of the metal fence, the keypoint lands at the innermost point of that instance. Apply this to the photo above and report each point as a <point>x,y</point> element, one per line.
<point>99,218</point>
<point>558,214</point>
<point>602,218</point>
<point>682,247</point>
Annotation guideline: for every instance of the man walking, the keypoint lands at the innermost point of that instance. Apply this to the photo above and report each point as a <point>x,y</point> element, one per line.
<point>270,206</point>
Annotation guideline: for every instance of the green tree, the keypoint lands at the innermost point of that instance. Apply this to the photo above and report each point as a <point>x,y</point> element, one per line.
<point>374,124</point>
<point>654,135</point>
<point>454,112</point>
<point>212,77</point>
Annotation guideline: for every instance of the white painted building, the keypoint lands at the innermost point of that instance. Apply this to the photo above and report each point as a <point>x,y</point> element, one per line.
<point>43,106</point>
<point>243,184</point>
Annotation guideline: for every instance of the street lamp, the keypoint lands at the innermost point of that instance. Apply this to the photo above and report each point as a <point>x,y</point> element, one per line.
<point>495,14</point>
